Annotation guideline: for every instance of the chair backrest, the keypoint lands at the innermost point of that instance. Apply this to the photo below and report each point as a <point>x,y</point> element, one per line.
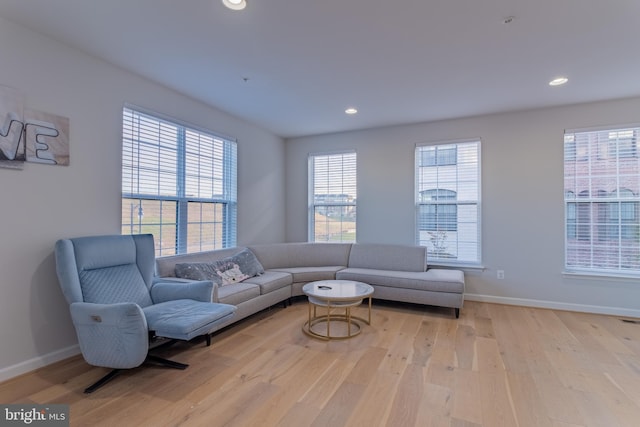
<point>106,269</point>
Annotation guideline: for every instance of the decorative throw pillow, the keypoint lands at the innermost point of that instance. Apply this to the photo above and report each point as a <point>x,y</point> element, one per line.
<point>229,273</point>
<point>247,262</point>
<point>198,271</point>
<point>225,271</point>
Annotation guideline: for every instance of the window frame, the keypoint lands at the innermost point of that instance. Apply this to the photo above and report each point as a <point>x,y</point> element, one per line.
<point>438,238</point>
<point>175,182</point>
<point>346,208</point>
<point>600,210</point>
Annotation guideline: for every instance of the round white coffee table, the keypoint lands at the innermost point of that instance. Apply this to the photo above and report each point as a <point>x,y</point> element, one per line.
<point>332,295</point>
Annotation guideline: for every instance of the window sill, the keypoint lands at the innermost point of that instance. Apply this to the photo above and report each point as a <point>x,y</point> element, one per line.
<point>599,276</point>
<point>435,264</point>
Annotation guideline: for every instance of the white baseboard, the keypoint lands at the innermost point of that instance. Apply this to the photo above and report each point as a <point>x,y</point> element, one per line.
<point>597,309</point>
<point>38,362</point>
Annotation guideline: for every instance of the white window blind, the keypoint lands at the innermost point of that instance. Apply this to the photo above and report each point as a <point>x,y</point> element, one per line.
<point>178,183</point>
<point>333,194</point>
<point>602,199</point>
<point>448,201</point>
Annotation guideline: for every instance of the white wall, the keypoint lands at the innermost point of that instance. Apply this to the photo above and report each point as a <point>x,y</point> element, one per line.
<point>41,204</point>
<point>522,199</point>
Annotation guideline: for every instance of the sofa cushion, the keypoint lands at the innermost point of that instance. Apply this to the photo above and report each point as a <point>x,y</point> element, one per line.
<point>237,293</point>
<point>388,257</point>
<point>225,271</point>
<point>287,255</point>
<point>311,274</point>
<point>270,281</point>
<point>434,279</point>
<point>185,319</point>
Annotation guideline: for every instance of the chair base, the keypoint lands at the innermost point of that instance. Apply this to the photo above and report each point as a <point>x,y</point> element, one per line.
<point>150,359</point>
<point>166,362</point>
<point>102,381</point>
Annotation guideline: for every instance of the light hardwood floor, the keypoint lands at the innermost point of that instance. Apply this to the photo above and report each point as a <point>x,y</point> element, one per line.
<point>496,365</point>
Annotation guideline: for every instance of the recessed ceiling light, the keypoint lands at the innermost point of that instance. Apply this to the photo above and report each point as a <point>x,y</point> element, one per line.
<point>235,4</point>
<point>351,110</point>
<point>558,81</point>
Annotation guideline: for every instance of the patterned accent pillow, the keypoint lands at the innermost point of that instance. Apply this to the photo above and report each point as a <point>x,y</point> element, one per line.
<point>198,271</point>
<point>225,271</point>
<point>247,262</point>
<point>229,272</point>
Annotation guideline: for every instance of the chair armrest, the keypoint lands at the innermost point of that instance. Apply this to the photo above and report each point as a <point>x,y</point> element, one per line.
<point>199,290</point>
<point>111,335</point>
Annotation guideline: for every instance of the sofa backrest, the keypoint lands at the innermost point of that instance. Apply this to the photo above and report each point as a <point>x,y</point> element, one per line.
<point>388,257</point>
<point>291,255</point>
<point>165,266</point>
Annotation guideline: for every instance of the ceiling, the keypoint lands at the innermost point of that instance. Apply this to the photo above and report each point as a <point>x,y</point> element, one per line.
<point>293,67</point>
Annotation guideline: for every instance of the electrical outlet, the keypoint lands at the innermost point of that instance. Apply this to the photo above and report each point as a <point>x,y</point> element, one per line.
<point>500,274</point>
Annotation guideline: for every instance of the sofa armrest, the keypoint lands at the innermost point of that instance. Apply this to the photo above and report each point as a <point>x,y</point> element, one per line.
<point>198,290</point>
<point>111,335</point>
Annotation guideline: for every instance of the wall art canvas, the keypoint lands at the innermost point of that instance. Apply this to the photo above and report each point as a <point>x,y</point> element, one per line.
<point>28,135</point>
<point>12,152</point>
<point>46,138</point>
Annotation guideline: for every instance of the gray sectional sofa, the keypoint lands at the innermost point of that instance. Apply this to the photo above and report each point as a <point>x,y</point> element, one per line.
<point>397,273</point>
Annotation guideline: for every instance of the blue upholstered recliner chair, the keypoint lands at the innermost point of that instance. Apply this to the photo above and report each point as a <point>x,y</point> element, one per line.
<point>119,307</point>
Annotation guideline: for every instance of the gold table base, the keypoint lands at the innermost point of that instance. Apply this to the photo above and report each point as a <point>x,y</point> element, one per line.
<point>353,327</point>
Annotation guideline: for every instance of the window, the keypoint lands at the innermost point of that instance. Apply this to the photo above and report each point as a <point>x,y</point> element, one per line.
<point>332,194</point>
<point>438,156</point>
<point>436,217</point>
<point>623,143</point>
<point>602,201</point>
<point>178,183</point>
<point>448,201</point>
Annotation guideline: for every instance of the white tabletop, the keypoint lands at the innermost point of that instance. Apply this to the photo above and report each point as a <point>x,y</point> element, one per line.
<point>337,290</point>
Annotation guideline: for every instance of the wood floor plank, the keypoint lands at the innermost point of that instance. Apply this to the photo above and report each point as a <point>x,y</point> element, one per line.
<point>435,406</point>
<point>593,339</point>
<point>495,400</point>
<point>465,347</point>
<point>466,401</point>
<point>596,412</point>
<point>375,404</point>
<point>406,402</point>
<point>424,342</point>
<point>322,389</point>
<point>455,422</point>
<point>528,406</point>
<point>626,330</point>
<point>400,350</point>
<point>364,370</point>
<point>558,400</point>
<point>509,336</point>
<point>338,409</point>
<point>300,414</point>
<point>625,382</point>
<point>497,365</point>
<point>484,327</point>
<point>444,351</point>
